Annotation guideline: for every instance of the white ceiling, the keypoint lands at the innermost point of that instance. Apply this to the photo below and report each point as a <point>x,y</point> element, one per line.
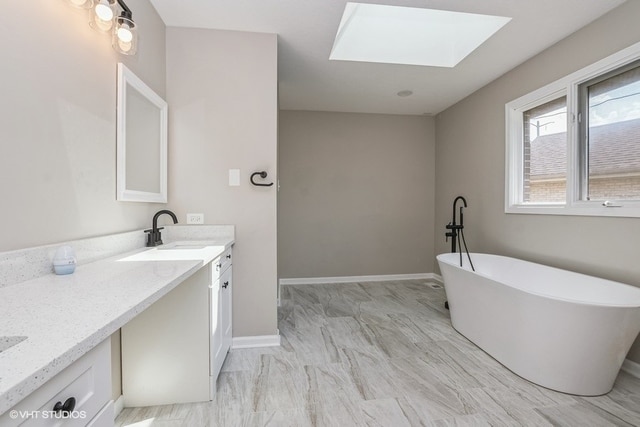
<point>306,30</point>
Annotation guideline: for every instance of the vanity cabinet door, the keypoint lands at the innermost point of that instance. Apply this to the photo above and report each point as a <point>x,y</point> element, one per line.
<point>220,303</point>
<point>226,309</point>
<point>215,330</point>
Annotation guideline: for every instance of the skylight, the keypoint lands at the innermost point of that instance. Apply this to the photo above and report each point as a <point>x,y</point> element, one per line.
<point>412,36</point>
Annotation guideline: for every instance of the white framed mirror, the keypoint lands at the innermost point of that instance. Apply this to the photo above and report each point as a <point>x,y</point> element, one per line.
<point>141,141</point>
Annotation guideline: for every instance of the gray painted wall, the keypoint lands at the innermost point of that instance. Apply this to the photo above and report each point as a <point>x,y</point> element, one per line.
<point>222,94</point>
<point>470,154</point>
<point>58,121</point>
<point>356,194</point>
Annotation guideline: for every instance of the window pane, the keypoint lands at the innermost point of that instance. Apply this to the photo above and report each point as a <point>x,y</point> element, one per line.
<point>613,137</point>
<point>545,153</point>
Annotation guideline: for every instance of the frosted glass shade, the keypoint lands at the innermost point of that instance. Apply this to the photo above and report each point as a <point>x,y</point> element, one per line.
<point>125,36</point>
<point>102,16</point>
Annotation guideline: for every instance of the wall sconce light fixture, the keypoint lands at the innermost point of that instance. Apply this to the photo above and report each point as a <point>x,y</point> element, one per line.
<point>105,18</point>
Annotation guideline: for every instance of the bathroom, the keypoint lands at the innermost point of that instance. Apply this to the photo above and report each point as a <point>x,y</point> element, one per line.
<point>343,209</point>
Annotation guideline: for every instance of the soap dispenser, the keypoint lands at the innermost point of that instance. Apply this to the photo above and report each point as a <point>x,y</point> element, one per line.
<point>64,262</point>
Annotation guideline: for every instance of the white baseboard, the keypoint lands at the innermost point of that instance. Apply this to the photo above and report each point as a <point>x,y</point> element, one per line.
<point>118,406</point>
<point>354,279</point>
<point>437,278</point>
<point>258,341</point>
<point>632,368</point>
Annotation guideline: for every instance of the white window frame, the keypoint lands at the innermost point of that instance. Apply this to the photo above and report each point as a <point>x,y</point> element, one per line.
<point>514,159</point>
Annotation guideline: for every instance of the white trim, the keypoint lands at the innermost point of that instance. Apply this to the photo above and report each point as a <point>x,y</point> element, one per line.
<point>437,278</point>
<point>354,279</point>
<point>257,341</point>
<point>632,368</point>
<point>576,210</point>
<point>127,80</point>
<point>118,406</point>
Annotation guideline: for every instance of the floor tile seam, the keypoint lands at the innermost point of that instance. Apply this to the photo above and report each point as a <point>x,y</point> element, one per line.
<point>521,405</point>
<point>596,408</point>
<point>159,418</point>
<point>599,411</point>
<point>453,363</point>
<point>232,371</point>
<point>427,341</point>
<point>509,410</point>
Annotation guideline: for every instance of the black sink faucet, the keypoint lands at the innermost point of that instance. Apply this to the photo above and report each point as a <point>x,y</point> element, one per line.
<point>154,238</point>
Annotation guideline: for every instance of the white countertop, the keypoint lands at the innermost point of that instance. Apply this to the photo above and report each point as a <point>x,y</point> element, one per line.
<point>63,317</point>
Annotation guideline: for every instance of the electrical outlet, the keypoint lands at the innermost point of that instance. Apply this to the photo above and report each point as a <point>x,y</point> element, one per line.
<point>195,218</point>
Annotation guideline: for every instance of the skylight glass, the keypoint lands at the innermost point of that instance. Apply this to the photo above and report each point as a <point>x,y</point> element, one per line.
<point>413,36</point>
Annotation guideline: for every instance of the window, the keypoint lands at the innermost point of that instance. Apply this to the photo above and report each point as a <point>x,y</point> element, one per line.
<point>609,116</point>
<point>545,153</point>
<point>573,147</point>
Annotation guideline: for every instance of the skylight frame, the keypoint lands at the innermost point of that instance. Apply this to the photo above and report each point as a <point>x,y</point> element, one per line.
<point>410,36</point>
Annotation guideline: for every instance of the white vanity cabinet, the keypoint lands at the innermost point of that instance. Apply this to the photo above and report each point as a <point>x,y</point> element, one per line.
<point>83,389</point>
<point>173,351</point>
<point>221,301</point>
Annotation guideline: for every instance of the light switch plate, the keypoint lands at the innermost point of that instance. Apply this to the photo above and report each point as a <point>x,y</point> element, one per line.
<point>234,177</point>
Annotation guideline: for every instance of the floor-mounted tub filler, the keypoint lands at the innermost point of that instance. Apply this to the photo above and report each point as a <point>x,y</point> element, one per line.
<point>562,330</point>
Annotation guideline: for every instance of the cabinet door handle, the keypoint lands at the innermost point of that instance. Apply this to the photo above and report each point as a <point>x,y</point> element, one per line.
<point>219,266</point>
<point>66,408</point>
<point>229,256</point>
<point>225,284</point>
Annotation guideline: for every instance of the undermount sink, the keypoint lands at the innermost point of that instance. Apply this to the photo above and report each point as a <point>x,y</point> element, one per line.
<point>178,252</point>
<point>172,246</point>
<point>7,342</point>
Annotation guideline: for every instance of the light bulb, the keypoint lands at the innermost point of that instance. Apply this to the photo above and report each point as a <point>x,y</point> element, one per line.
<point>125,35</point>
<point>102,17</point>
<point>104,12</point>
<point>81,4</point>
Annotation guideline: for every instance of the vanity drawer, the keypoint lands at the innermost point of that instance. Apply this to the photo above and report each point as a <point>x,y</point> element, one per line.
<point>222,263</point>
<point>88,381</point>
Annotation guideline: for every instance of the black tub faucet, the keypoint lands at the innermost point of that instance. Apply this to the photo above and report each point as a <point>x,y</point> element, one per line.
<point>154,238</point>
<point>455,228</point>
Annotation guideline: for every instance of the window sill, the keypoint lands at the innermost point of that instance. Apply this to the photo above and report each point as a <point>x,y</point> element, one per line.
<point>576,210</point>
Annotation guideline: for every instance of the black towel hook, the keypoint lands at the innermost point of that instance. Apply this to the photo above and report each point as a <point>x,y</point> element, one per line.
<point>263,175</point>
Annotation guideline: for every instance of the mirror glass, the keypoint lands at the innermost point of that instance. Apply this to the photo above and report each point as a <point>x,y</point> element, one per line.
<point>141,141</point>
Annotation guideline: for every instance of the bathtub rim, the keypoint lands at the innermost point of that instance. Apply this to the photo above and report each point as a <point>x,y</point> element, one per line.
<point>441,258</point>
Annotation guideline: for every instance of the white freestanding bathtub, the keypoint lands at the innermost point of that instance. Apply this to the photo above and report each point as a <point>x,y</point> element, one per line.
<point>562,330</point>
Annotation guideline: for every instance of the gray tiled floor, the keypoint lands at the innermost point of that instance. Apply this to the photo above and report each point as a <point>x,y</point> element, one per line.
<point>381,354</point>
